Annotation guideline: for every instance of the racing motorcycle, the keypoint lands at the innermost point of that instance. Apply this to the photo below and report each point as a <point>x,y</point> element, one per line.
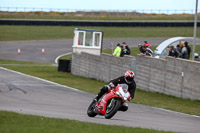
<point>110,103</point>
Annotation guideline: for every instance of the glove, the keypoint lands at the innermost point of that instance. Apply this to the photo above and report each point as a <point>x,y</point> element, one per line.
<point>130,99</point>
<point>111,85</point>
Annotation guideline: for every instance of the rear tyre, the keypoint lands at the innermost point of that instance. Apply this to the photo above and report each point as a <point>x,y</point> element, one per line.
<point>90,110</point>
<point>111,111</point>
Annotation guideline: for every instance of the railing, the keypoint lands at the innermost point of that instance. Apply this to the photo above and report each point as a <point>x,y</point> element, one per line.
<point>153,11</point>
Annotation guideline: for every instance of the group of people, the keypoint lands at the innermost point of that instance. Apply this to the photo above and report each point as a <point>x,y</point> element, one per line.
<point>181,51</point>
<point>121,50</point>
<point>145,49</point>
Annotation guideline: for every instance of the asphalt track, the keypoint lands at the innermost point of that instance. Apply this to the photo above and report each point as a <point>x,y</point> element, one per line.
<point>32,50</point>
<point>28,95</point>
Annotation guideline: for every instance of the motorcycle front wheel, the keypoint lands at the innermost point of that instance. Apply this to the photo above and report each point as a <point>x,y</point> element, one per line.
<point>90,110</point>
<point>111,111</point>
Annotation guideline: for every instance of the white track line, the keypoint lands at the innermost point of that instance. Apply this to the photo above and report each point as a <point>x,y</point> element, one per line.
<point>56,60</point>
<point>176,112</point>
<point>42,79</point>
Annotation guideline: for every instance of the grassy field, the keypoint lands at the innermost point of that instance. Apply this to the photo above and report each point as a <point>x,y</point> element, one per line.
<point>93,86</point>
<point>18,123</point>
<point>17,33</point>
<point>94,16</point>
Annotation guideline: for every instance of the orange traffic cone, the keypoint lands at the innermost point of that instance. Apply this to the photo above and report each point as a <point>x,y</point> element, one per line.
<point>18,51</point>
<point>43,51</point>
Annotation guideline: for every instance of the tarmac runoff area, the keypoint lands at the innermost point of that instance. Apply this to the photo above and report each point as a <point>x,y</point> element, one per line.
<point>31,95</point>
<point>32,50</point>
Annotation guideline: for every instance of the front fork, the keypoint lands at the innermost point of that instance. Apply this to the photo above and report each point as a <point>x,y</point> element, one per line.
<point>110,104</point>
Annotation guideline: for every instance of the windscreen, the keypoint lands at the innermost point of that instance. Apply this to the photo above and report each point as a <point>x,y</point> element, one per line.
<point>124,88</point>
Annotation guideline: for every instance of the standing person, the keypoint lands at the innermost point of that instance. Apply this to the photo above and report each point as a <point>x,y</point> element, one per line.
<point>117,51</point>
<point>173,52</point>
<point>125,50</point>
<point>188,49</point>
<point>148,51</point>
<point>147,44</point>
<point>141,49</point>
<point>128,79</point>
<point>184,52</point>
<point>178,47</point>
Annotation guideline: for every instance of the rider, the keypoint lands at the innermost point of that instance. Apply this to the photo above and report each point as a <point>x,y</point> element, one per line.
<point>128,79</point>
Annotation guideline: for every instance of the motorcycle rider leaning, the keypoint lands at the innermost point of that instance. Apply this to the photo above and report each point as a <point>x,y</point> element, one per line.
<point>128,79</point>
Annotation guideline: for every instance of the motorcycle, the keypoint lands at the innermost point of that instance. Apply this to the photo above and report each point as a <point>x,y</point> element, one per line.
<point>110,103</point>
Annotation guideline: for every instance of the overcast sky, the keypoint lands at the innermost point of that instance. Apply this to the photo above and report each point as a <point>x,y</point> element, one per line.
<point>104,4</point>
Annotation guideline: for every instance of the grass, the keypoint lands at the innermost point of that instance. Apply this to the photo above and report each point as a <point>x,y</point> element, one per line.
<point>67,57</point>
<point>17,33</point>
<point>94,16</point>
<point>18,123</point>
<point>167,102</point>
<point>93,86</point>
<point>22,62</point>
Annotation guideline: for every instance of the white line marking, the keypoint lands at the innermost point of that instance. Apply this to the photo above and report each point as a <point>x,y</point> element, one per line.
<point>42,80</point>
<point>176,112</point>
<point>56,60</point>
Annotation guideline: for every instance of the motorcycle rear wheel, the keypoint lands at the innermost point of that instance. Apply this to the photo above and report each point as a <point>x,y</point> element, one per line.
<point>110,112</point>
<point>90,110</point>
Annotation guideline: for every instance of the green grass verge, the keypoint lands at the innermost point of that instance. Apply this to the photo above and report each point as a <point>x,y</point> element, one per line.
<point>93,86</point>
<point>67,57</point>
<point>16,33</point>
<point>94,16</point>
<point>22,62</point>
<point>18,123</point>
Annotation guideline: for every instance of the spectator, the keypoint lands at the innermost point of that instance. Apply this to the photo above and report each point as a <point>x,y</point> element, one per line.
<point>184,52</point>
<point>141,49</point>
<point>147,44</point>
<point>173,52</point>
<point>125,50</point>
<point>117,51</point>
<point>188,49</point>
<point>178,47</point>
<point>148,51</point>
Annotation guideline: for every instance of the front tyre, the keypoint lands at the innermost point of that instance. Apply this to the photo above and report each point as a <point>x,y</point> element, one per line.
<point>111,111</point>
<point>90,110</point>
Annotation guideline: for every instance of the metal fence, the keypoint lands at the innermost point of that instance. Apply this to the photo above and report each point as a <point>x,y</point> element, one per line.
<point>153,11</point>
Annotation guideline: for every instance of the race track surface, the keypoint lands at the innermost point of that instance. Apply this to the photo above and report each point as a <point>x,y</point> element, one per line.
<point>32,50</point>
<point>29,95</point>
